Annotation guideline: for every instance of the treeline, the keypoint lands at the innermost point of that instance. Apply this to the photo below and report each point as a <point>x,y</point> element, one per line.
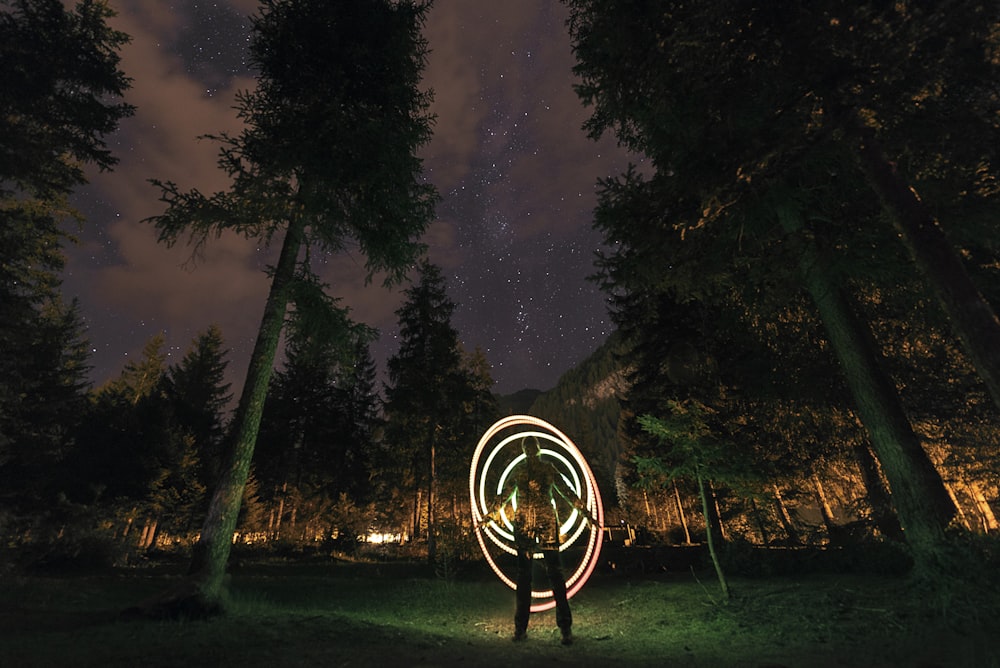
<point>803,273</point>
<point>309,453</point>
<point>129,465</point>
<point>821,487</point>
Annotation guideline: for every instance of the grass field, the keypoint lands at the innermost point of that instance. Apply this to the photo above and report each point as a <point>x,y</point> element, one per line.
<point>338,613</point>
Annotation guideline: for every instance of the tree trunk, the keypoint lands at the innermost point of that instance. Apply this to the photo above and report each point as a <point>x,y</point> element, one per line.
<point>883,514</point>
<point>960,515</point>
<point>680,512</point>
<point>431,518</point>
<point>918,492</point>
<point>709,538</point>
<point>211,552</point>
<point>785,518</point>
<point>415,517</point>
<point>983,506</point>
<point>129,522</point>
<point>652,515</point>
<point>972,318</point>
<point>281,510</point>
<point>148,534</point>
<point>765,538</point>
<point>154,533</point>
<point>826,512</point>
<point>716,517</point>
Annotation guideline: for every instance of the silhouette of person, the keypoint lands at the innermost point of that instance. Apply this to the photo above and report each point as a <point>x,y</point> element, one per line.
<point>537,494</point>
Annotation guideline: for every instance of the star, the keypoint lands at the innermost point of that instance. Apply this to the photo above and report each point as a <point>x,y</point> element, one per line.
<point>515,171</point>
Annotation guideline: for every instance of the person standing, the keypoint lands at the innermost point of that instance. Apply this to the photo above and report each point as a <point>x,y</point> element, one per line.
<point>535,494</point>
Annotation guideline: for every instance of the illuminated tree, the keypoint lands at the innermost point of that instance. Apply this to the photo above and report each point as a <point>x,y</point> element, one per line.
<point>327,160</point>
<point>694,451</point>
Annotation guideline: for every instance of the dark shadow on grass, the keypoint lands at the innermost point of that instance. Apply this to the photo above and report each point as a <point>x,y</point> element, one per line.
<point>20,620</point>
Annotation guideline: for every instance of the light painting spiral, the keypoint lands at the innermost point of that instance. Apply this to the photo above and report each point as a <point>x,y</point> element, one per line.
<point>496,457</point>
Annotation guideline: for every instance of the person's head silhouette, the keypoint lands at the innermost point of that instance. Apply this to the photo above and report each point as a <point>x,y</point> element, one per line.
<point>531,447</point>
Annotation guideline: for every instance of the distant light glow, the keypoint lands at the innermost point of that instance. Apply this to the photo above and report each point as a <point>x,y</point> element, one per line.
<point>379,538</point>
<point>575,471</point>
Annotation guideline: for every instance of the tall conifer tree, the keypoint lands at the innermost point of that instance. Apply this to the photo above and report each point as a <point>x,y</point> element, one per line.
<point>424,394</point>
<point>327,159</point>
<point>60,95</point>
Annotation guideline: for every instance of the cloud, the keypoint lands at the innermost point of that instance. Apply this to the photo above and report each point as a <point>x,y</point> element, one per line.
<point>452,76</point>
<point>147,286</point>
<point>516,172</point>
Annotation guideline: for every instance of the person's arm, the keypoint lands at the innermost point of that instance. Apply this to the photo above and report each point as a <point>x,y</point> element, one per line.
<point>573,500</point>
<point>495,514</point>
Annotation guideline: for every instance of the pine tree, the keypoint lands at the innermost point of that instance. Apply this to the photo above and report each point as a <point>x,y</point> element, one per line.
<point>425,389</point>
<point>317,432</point>
<point>200,398</point>
<point>38,427</point>
<point>361,419</point>
<point>327,159</point>
<point>60,95</point>
<point>129,436</point>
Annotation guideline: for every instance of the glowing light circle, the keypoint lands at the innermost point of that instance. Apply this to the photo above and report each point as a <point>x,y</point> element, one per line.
<point>485,478</point>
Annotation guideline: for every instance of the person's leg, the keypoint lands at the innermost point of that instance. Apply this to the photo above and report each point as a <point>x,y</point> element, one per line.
<point>523,593</point>
<point>564,618</point>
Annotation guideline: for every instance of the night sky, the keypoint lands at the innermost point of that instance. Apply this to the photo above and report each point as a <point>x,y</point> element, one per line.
<point>515,172</point>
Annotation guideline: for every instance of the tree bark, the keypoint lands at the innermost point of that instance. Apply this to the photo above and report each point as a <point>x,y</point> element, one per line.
<point>281,510</point>
<point>824,503</point>
<point>709,537</point>
<point>785,518</point>
<point>972,318</point>
<point>431,501</point>
<point>716,516</point>
<point>148,531</point>
<point>765,538</point>
<point>983,506</point>
<point>918,492</point>
<point>129,522</point>
<point>211,552</point>
<point>418,503</point>
<point>883,514</point>
<point>833,531</point>
<point>680,512</point>
<point>960,515</point>
<point>652,516</point>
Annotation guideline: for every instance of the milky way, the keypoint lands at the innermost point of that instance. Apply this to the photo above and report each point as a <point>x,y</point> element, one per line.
<point>515,172</point>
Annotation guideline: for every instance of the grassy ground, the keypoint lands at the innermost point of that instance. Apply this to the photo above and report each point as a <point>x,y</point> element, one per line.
<point>347,614</point>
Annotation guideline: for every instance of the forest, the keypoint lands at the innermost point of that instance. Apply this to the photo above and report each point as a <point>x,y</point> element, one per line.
<point>803,271</point>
